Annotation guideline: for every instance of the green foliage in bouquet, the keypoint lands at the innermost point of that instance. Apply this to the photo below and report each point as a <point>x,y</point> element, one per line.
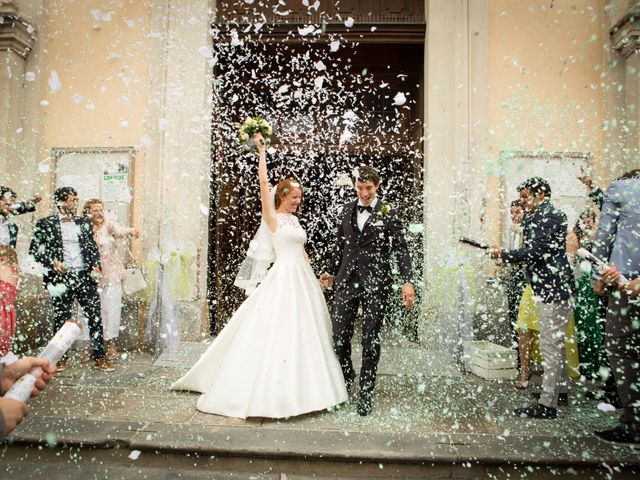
<point>251,126</point>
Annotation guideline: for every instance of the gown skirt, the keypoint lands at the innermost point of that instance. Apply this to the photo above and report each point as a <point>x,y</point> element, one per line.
<point>275,356</point>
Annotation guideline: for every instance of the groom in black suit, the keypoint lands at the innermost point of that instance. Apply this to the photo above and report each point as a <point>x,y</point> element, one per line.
<point>368,235</point>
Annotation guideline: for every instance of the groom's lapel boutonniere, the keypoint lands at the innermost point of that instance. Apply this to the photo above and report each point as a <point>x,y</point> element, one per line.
<point>384,210</point>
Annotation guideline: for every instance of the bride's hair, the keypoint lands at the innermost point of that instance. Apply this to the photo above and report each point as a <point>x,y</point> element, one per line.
<point>283,189</point>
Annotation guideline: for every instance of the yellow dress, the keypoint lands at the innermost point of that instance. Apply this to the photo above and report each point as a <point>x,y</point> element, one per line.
<point>528,320</point>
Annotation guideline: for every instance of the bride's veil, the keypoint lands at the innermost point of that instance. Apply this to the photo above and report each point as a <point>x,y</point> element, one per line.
<point>260,256</point>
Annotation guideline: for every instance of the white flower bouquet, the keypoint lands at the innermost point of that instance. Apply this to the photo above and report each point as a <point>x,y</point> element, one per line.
<point>250,127</point>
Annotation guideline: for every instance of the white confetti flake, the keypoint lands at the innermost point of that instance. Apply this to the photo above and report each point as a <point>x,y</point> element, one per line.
<point>135,454</point>
<point>77,98</point>
<point>205,52</point>
<point>98,17</point>
<point>124,124</point>
<point>30,76</point>
<point>334,45</point>
<point>304,31</point>
<point>235,40</point>
<point>320,66</point>
<point>345,136</point>
<point>349,22</point>
<point>606,407</point>
<point>319,82</point>
<point>44,167</point>
<point>350,115</point>
<point>145,141</point>
<point>44,103</point>
<point>54,82</point>
<point>56,290</point>
<point>400,99</point>
<point>283,89</point>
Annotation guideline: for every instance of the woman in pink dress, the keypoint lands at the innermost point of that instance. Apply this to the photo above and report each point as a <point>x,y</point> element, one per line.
<point>9,275</point>
<point>105,233</point>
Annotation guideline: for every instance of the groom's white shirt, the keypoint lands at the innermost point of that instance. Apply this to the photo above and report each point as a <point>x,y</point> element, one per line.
<point>364,215</point>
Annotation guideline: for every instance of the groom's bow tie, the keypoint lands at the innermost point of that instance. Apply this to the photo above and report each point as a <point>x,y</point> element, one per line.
<point>362,208</point>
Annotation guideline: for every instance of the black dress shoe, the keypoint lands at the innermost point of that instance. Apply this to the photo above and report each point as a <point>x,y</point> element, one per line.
<point>563,398</point>
<point>364,407</point>
<point>618,436</point>
<point>537,410</point>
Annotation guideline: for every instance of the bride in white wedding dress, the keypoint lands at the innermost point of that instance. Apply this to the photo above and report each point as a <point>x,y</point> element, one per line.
<point>275,357</point>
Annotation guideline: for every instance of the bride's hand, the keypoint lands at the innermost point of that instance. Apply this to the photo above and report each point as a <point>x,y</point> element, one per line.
<point>258,139</point>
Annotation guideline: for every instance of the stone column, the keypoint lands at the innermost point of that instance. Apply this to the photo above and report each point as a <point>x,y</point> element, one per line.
<point>456,123</point>
<point>177,155</point>
<point>17,37</point>
<point>625,38</point>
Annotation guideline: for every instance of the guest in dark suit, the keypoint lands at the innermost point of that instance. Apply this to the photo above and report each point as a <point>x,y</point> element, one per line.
<point>369,234</point>
<point>618,244</point>
<point>8,208</point>
<point>64,245</point>
<point>551,277</point>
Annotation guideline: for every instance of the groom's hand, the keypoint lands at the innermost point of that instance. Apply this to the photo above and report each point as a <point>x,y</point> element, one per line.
<point>326,280</point>
<point>408,295</point>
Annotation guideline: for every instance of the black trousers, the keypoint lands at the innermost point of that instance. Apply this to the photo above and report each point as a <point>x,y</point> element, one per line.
<point>622,343</point>
<point>81,286</point>
<point>514,285</point>
<point>373,302</point>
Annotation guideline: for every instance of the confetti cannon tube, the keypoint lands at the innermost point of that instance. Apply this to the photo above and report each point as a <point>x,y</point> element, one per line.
<point>55,349</point>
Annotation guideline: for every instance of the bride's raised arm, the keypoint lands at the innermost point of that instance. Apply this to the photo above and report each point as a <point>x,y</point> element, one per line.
<point>268,207</point>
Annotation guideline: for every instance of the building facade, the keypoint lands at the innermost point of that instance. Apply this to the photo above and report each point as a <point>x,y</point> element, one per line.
<point>499,79</point>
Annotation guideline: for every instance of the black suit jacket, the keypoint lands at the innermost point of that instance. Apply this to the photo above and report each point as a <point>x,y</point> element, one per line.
<point>20,208</point>
<point>544,253</point>
<point>368,253</point>
<point>46,245</point>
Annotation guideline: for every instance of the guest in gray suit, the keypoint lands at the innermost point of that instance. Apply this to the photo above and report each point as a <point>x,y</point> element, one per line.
<point>618,244</point>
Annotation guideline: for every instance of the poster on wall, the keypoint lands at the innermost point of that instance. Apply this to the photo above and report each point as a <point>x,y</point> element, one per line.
<point>98,173</point>
<point>115,187</point>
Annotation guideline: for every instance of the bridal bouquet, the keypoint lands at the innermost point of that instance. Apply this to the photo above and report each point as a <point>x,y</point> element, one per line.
<point>250,127</point>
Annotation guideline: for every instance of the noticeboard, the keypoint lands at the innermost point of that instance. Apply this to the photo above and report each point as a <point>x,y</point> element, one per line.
<point>103,173</point>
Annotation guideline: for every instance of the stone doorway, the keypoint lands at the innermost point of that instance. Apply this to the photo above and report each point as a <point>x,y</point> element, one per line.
<point>309,141</point>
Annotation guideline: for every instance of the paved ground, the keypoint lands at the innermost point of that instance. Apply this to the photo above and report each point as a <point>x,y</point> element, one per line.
<point>448,422</point>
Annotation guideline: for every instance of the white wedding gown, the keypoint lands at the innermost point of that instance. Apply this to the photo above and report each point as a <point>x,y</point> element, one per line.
<point>275,357</point>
